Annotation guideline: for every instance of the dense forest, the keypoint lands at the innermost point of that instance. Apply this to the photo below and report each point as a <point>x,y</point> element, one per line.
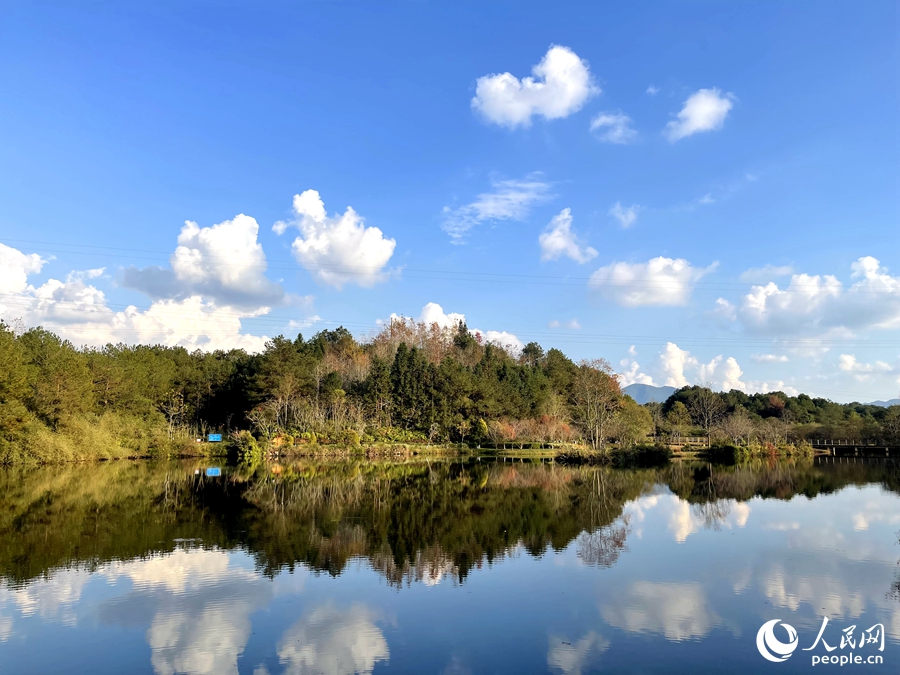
<point>410,383</point>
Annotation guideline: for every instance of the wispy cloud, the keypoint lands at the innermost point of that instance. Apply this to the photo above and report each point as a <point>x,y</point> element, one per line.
<point>627,216</point>
<point>507,200</point>
<point>613,128</point>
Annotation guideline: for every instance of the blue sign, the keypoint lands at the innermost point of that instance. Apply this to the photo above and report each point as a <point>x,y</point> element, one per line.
<point>215,438</point>
<point>212,472</point>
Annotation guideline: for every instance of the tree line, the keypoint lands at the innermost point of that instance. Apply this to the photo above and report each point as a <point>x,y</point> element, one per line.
<point>411,382</point>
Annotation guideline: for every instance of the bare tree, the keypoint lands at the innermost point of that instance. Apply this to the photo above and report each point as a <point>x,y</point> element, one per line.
<point>596,397</point>
<point>738,426</point>
<point>706,407</point>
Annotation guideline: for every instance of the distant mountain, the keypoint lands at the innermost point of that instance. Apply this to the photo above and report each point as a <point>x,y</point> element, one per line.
<point>645,393</point>
<point>884,404</point>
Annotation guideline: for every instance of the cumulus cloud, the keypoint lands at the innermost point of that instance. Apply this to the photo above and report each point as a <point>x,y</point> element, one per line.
<point>558,239</point>
<point>77,310</point>
<point>339,249</point>
<point>674,361</point>
<point>507,200</point>
<point>224,263</point>
<point>15,267</point>
<point>681,369</point>
<point>626,216</point>
<point>819,304</point>
<point>632,374</point>
<point>704,110</point>
<point>765,273</point>
<point>613,128</point>
<point>658,282</point>
<point>652,91</point>
<point>502,339</point>
<point>434,313</point>
<point>560,86</point>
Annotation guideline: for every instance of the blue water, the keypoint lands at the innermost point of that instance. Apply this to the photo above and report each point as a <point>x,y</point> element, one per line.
<point>669,585</point>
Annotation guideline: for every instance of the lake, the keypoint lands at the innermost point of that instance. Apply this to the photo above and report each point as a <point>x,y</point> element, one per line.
<point>448,567</point>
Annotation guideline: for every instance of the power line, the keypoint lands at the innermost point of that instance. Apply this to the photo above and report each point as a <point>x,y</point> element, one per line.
<point>434,274</point>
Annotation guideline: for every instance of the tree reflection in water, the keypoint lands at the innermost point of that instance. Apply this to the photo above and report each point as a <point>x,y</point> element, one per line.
<point>411,521</point>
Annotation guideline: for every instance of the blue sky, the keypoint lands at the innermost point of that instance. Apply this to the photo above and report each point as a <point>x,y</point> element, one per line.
<point>732,138</point>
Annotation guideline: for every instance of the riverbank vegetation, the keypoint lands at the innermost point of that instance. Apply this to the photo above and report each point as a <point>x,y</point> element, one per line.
<point>413,386</point>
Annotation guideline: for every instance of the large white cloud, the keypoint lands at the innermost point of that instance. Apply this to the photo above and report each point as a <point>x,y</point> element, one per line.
<point>434,313</point>
<point>817,304</point>
<point>15,267</point>
<point>508,200</point>
<point>613,128</point>
<point>562,83</point>
<point>339,249</point>
<point>677,367</point>
<point>558,239</point>
<point>331,641</point>
<point>704,110</point>
<point>224,263</point>
<point>77,310</point>
<point>658,282</point>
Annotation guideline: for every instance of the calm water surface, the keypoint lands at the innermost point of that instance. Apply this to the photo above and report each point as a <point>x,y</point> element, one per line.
<point>465,567</point>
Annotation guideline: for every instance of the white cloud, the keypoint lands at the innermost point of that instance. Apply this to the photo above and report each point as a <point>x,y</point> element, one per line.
<point>769,358</point>
<point>558,239</point>
<point>434,313</point>
<point>224,263</point>
<point>765,273</point>
<point>632,374</point>
<point>674,361</point>
<point>613,128</point>
<point>626,216</point>
<point>562,83</point>
<point>508,200</point>
<point>15,267</point>
<point>652,91</point>
<point>704,110</point>
<point>340,249</point>
<point>330,641</point>
<point>849,364</point>
<point>731,375</point>
<point>78,311</point>
<point>819,304</point>
<point>682,369</point>
<point>658,282</point>
<point>502,339</point>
